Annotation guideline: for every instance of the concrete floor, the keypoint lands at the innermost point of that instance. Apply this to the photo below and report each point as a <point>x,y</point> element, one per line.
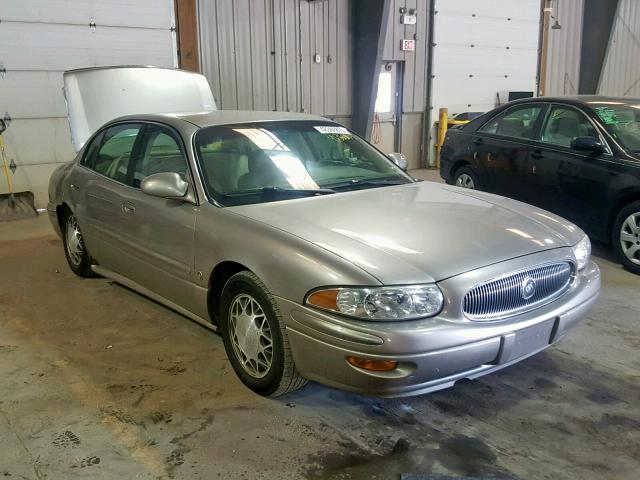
<point>99,382</point>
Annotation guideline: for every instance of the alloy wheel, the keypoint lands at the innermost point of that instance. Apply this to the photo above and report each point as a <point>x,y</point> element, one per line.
<point>465,181</point>
<point>630,237</point>
<point>74,243</point>
<point>251,335</point>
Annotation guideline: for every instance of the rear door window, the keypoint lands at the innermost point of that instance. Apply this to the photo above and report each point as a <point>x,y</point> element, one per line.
<point>516,122</point>
<point>92,150</point>
<point>116,149</point>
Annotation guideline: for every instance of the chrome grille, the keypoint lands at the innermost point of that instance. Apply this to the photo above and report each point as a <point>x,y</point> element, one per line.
<point>504,296</point>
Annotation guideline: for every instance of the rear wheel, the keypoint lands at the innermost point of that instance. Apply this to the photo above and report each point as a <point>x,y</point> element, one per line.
<point>465,177</point>
<point>255,339</point>
<point>626,237</point>
<point>74,248</point>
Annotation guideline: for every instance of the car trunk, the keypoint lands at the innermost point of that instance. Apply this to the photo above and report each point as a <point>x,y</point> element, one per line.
<point>95,96</point>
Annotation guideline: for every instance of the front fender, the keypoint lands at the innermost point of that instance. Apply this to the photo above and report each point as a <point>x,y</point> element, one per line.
<point>289,266</point>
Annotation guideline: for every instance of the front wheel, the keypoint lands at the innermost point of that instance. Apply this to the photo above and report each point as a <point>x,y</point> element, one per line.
<point>626,237</point>
<point>465,177</point>
<point>255,338</point>
<point>74,248</point>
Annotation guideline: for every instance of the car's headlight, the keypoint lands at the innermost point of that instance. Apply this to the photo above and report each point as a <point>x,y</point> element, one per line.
<point>379,303</point>
<point>582,251</point>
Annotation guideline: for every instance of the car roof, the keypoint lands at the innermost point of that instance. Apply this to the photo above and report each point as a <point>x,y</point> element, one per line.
<point>584,99</point>
<point>224,117</point>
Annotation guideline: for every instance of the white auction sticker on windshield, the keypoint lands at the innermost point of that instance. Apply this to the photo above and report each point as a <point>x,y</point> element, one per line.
<point>332,130</point>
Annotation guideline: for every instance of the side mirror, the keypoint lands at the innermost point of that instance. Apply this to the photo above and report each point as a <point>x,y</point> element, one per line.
<point>165,185</point>
<point>400,160</point>
<point>3,126</point>
<point>587,144</point>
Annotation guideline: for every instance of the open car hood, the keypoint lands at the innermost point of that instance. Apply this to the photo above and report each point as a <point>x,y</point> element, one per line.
<point>97,95</point>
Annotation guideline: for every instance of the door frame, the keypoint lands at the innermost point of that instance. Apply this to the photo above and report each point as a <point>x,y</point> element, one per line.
<point>398,66</point>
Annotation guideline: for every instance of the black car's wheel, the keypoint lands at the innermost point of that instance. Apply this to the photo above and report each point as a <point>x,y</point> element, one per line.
<point>465,177</point>
<point>74,248</point>
<point>255,338</point>
<point>626,237</point>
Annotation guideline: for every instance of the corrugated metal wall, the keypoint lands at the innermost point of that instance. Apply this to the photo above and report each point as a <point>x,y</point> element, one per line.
<point>415,74</point>
<point>260,55</point>
<point>621,70</point>
<point>563,53</point>
<point>414,82</point>
<point>39,39</point>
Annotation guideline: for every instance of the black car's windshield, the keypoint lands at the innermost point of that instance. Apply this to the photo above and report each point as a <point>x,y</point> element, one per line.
<point>263,162</point>
<point>622,121</point>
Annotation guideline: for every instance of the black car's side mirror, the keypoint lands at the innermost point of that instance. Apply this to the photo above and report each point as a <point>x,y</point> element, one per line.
<point>587,144</point>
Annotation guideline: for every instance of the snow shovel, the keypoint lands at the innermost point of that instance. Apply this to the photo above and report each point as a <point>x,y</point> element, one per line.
<point>13,206</point>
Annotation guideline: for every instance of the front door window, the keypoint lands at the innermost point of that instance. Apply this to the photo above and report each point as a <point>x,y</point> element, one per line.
<point>160,152</point>
<point>564,124</point>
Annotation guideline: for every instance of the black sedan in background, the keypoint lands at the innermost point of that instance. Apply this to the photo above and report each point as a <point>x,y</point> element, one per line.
<point>578,157</point>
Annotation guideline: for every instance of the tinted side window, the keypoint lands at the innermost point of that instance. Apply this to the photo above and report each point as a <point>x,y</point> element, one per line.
<point>563,124</point>
<point>160,152</point>
<point>112,159</point>
<point>516,122</point>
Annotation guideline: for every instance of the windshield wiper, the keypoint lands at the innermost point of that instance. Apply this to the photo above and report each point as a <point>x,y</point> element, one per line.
<point>294,192</point>
<point>356,182</point>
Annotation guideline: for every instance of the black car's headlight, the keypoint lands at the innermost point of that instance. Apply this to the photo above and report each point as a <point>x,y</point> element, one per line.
<point>582,252</point>
<point>379,303</point>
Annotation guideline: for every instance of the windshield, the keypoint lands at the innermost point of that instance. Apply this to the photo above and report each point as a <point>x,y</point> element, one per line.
<point>623,122</point>
<point>268,161</point>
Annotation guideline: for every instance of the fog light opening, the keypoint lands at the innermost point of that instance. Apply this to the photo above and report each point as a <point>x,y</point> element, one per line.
<point>374,365</point>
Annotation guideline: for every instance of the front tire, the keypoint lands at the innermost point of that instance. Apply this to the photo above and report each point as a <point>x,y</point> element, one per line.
<point>255,339</point>
<point>626,237</point>
<point>74,248</point>
<point>465,177</point>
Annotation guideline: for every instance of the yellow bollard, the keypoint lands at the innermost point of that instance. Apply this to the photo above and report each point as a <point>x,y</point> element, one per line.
<point>443,120</point>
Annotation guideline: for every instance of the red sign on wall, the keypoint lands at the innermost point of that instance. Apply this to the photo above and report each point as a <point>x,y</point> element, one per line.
<point>408,45</point>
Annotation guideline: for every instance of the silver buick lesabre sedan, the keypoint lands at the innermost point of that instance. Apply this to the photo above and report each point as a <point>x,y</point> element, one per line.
<point>316,256</point>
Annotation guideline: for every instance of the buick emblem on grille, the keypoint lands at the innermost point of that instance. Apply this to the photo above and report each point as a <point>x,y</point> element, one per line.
<point>528,288</point>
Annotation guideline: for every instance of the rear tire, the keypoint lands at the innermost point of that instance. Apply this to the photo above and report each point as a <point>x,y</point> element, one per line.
<point>78,257</point>
<point>626,237</point>
<point>255,338</point>
<point>465,177</point>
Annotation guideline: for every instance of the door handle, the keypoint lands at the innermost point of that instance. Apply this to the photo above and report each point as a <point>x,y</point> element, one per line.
<point>128,207</point>
<point>537,154</point>
<point>478,141</point>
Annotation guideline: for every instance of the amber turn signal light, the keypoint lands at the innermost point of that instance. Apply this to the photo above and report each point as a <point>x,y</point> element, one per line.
<point>374,365</point>
<point>324,299</point>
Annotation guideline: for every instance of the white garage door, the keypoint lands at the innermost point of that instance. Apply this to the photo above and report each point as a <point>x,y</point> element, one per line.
<point>39,39</point>
<point>482,49</point>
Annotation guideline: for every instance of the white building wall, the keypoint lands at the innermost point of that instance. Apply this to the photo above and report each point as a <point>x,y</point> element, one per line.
<point>483,50</point>
<point>39,39</point>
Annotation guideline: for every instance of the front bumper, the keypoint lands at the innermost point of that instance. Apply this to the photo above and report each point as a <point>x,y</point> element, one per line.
<point>434,353</point>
